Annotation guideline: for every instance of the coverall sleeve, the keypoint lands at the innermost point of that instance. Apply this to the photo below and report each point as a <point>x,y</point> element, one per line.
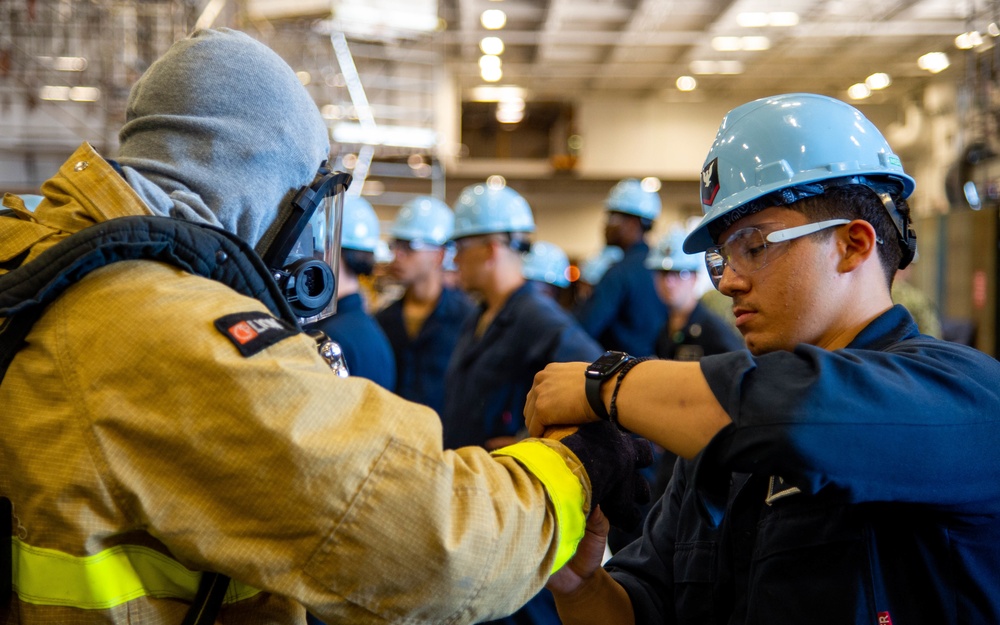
<point>271,469</point>
<point>917,422</point>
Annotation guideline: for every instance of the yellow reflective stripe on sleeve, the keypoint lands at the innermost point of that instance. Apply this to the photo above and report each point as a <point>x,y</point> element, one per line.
<point>564,489</point>
<point>106,579</point>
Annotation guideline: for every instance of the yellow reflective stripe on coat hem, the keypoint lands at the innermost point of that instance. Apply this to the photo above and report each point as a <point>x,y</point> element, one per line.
<point>106,579</point>
<point>564,489</point>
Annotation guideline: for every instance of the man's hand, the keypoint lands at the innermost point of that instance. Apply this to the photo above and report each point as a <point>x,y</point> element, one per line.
<point>558,397</point>
<point>588,557</point>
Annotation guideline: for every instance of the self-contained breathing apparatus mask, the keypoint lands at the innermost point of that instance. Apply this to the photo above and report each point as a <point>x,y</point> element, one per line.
<point>304,255</point>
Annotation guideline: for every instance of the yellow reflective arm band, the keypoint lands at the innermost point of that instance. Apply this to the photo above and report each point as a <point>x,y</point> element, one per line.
<point>106,579</point>
<point>565,491</point>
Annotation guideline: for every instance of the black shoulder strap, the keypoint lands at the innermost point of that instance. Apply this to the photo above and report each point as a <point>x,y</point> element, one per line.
<point>198,249</point>
<point>201,250</point>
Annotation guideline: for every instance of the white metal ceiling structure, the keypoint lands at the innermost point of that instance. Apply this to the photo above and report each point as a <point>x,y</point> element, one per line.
<point>557,48</point>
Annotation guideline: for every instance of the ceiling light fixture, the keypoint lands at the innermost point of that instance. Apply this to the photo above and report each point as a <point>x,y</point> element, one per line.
<point>760,19</point>
<point>858,91</point>
<point>493,19</point>
<point>933,62</point>
<point>491,74</point>
<point>734,44</point>
<point>491,45</point>
<point>686,83</point>
<point>969,40</point>
<point>878,81</point>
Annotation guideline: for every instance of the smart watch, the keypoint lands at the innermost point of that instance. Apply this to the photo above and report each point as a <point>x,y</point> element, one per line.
<point>597,373</point>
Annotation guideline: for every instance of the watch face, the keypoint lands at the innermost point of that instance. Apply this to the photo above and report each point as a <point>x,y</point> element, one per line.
<point>606,364</point>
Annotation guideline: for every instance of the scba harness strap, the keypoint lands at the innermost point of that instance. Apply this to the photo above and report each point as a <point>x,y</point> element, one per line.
<point>198,249</point>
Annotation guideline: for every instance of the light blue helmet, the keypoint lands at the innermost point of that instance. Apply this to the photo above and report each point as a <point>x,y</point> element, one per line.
<point>425,219</point>
<point>360,230</point>
<point>594,268</point>
<point>669,255</point>
<point>794,144</point>
<point>630,198</point>
<point>546,262</point>
<point>482,209</point>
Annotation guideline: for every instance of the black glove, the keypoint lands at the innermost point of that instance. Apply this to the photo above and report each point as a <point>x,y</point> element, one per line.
<point>612,459</point>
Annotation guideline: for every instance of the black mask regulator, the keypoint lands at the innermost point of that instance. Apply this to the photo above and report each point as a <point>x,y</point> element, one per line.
<point>305,275</point>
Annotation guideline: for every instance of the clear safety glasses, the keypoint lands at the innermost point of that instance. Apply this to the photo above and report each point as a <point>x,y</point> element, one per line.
<point>415,245</point>
<point>750,249</point>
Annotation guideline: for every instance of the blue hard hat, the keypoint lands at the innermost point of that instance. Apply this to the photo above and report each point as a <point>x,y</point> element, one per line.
<point>630,198</point>
<point>668,254</point>
<point>360,230</point>
<point>483,209</point>
<point>788,142</point>
<point>546,262</point>
<point>594,268</point>
<point>425,219</point>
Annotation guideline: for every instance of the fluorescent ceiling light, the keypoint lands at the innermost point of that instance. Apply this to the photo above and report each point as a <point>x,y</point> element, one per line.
<point>878,81</point>
<point>400,136</point>
<point>493,19</point>
<point>858,91</point>
<point>491,74</point>
<point>489,93</point>
<point>933,62</point>
<point>687,83</point>
<point>491,45</point>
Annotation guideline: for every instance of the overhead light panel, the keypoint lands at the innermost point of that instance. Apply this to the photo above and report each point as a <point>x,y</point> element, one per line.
<point>858,91</point>
<point>735,44</point>
<point>686,83</point>
<point>493,19</point>
<point>879,80</point>
<point>933,62</point>
<point>491,45</point>
<point>491,74</point>
<point>761,19</point>
<point>969,40</point>
<point>489,61</point>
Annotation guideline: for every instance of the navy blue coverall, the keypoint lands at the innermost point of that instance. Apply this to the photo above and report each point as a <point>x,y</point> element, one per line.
<point>860,485</point>
<point>421,361</point>
<point>366,349</point>
<point>489,377</point>
<point>625,313</point>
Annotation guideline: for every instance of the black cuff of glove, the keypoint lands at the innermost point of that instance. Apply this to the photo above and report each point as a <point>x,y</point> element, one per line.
<point>612,459</point>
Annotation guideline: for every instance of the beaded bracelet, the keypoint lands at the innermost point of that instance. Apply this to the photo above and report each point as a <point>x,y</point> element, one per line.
<point>613,411</point>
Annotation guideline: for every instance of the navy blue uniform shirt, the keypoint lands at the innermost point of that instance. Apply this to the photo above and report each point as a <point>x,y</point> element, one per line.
<point>366,349</point>
<point>625,313</point>
<point>489,377</point>
<point>859,485</point>
<point>704,334</point>
<point>421,361</point>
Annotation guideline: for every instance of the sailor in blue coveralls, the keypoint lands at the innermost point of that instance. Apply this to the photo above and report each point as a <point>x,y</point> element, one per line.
<point>424,324</point>
<point>366,349</point>
<point>624,312</point>
<point>845,468</point>
<point>513,335</point>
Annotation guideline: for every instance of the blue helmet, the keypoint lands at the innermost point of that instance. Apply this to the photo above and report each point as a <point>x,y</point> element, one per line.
<point>630,198</point>
<point>360,230</point>
<point>425,219</point>
<point>594,268</point>
<point>482,209</point>
<point>546,262</point>
<point>669,255</point>
<point>791,143</point>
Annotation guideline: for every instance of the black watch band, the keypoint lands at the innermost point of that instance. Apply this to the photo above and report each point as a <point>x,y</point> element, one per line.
<point>597,374</point>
